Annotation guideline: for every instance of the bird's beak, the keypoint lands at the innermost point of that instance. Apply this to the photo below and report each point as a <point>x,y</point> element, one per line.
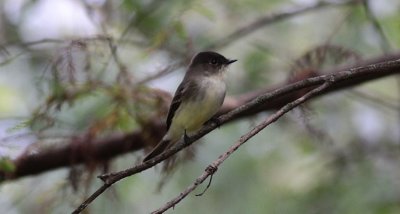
<point>231,61</point>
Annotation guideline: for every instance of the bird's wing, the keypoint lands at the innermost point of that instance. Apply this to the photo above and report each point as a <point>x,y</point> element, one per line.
<point>183,92</point>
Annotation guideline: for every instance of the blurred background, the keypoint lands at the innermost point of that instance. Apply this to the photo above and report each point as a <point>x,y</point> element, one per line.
<point>87,69</point>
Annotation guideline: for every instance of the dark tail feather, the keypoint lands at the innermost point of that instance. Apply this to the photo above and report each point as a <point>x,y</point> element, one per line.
<point>161,146</point>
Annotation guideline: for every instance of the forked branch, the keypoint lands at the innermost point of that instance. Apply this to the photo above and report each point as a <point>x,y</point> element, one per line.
<point>341,77</point>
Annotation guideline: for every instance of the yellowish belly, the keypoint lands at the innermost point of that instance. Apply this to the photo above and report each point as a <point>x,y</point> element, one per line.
<point>192,114</point>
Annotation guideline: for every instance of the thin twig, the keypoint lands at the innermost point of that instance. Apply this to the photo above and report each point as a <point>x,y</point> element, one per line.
<point>273,18</point>
<point>385,44</point>
<point>398,108</point>
<point>162,72</point>
<point>109,147</point>
<point>375,99</point>
<point>243,139</point>
<point>339,77</point>
<point>210,170</point>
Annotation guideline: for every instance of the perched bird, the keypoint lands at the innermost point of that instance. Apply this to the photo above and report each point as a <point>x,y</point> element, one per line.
<point>197,99</point>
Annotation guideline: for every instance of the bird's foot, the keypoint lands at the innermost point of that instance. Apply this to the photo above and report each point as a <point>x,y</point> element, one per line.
<point>214,120</point>
<point>185,137</point>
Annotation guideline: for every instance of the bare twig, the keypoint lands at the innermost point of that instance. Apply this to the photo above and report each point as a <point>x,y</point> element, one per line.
<point>112,146</point>
<point>243,139</point>
<point>398,101</point>
<point>273,18</point>
<point>162,72</point>
<point>385,44</point>
<point>384,41</point>
<point>48,41</point>
<point>55,41</point>
<point>375,99</point>
<point>336,27</point>
<point>340,78</point>
<point>277,103</point>
<point>210,170</point>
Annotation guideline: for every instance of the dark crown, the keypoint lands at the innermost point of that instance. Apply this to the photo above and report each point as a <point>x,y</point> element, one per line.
<point>209,57</point>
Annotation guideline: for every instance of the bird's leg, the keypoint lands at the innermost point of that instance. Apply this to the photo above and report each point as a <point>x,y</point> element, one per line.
<point>185,137</point>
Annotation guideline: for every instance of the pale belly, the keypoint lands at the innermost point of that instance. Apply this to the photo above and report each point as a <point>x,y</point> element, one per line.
<point>190,116</point>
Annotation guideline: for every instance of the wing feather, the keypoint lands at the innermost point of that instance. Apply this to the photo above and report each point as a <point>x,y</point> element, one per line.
<point>184,91</point>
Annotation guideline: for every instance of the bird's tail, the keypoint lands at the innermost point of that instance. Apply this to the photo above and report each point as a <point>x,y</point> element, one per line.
<point>161,146</point>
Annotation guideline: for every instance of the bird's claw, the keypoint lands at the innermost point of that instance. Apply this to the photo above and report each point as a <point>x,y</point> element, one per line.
<point>185,137</point>
<point>216,121</point>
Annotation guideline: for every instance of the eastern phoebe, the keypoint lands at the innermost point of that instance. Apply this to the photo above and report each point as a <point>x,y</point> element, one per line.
<point>197,99</point>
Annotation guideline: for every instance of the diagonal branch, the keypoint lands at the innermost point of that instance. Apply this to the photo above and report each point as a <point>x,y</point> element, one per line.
<point>76,151</point>
<point>339,77</point>
<point>212,168</point>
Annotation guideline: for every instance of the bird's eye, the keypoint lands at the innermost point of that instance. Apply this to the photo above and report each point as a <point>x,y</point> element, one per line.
<point>214,61</point>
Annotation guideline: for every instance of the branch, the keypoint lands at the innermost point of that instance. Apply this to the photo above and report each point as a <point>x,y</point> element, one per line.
<point>212,168</point>
<point>82,150</point>
<point>339,77</point>
<point>272,18</point>
<point>279,102</point>
<point>77,151</point>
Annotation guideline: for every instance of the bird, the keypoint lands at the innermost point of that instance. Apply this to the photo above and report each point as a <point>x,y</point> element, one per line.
<point>197,99</point>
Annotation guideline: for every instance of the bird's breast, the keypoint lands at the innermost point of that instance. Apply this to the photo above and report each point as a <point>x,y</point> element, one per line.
<point>209,96</point>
